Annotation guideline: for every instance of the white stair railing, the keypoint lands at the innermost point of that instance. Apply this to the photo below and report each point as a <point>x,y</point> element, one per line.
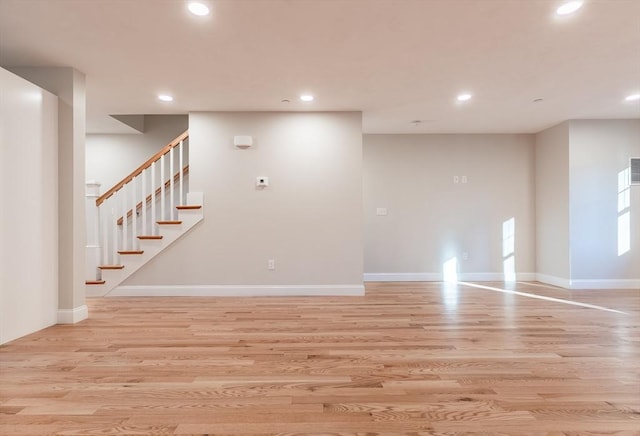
<point>131,209</point>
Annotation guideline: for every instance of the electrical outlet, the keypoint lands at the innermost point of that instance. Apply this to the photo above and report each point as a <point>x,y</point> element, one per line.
<point>271,264</point>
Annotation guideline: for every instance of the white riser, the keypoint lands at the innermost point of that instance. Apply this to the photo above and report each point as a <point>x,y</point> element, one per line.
<point>133,262</point>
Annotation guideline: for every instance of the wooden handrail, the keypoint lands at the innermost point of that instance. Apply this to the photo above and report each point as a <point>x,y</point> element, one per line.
<point>166,149</point>
<point>176,177</point>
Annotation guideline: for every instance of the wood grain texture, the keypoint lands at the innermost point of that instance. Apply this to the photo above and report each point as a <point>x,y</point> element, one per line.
<point>406,359</point>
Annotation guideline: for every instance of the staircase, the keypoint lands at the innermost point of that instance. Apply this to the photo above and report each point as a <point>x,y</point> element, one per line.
<point>139,217</point>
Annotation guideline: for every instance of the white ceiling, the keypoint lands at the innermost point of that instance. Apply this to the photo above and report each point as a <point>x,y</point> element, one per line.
<point>394,60</point>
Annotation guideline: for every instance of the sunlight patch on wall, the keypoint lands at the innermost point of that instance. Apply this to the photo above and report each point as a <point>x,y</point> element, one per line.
<point>624,212</point>
<point>450,270</point>
<point>509,249</point>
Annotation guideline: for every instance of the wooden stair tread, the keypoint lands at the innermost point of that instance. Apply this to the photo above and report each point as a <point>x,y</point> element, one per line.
<point>94,282</point>
<point>189,207</point>
<point>169,222</point>
<point>111,266</point>
<point>131,252</point>
<point>144,237</point>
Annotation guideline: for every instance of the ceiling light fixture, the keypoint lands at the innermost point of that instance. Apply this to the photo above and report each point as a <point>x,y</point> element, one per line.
<point>633,97</point>
<point>199,9</point>
<point>569,7</point>
<point>165,97</point>
<point>464,97</point>
<point>306,97</point>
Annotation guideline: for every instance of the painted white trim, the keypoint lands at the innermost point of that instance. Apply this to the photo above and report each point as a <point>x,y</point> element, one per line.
<point>437,277</point>
<point>606,284</point>
<point>72,316</point>
<point>553,280</point>
<point>494,277</point>
<point>237,291</point>
<point>402,277</point>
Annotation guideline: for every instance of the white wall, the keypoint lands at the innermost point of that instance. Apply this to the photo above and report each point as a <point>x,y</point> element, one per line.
<point>309,220</point>
<point>29,209</point>
<point>552,205</point>
<point>69,85</point>
<point>111,157</point>
<point>600,150</point>
<point>431,219</point>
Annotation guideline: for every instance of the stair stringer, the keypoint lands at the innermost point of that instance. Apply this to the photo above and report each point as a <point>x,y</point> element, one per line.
<point>151,248</point>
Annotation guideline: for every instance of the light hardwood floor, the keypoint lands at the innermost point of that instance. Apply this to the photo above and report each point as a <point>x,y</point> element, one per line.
<point>408,358</point>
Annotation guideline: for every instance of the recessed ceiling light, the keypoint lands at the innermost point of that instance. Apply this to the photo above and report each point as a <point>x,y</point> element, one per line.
<point>633,97</point>
<point>306,97</point>
<point>165,97</point>
<point>464,97</point>
<point>569,7</point>
<point>199,9</point>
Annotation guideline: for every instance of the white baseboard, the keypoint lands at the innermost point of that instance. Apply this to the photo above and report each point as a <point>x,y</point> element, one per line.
<point>437,277</point>
<point>606,284</point>
<point>402,277</point>
<point>237,291</point>
<point>72,316</point>
<point>553,280</point>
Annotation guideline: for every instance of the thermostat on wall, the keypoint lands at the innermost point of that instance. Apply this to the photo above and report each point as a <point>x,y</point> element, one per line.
<point>243,141</point>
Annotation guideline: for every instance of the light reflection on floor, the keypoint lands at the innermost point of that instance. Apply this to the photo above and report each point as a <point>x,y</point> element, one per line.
<point>540,297</point>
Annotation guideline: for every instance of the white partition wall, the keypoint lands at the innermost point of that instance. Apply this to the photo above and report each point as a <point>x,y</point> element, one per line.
<point>552,206</point>
<point>605,209</point>
<point>445,206</point>
<point>308,221</point>
<point>29,207</point>
<point>69,85</point>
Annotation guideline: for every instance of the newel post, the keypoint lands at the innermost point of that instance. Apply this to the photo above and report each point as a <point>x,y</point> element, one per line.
<point>92,192</point>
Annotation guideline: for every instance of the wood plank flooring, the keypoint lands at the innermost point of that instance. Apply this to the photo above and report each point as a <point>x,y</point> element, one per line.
<point>406,359</point>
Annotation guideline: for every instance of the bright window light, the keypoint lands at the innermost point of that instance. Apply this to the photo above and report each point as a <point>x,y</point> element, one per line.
<point>450,270</point>
<point>450,296</point>
<point>624,212</point>
<point>569,7</point>
<point>540,297</point>
<point>624,233</point>
<point>509,249</point>
<point>508,237</point>
<point>509,265</point>
<point>199,9</point>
